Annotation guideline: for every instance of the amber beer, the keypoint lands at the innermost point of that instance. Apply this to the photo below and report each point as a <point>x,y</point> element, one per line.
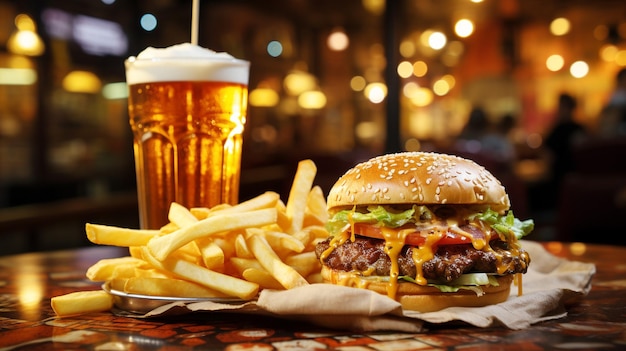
<point>187,139</point>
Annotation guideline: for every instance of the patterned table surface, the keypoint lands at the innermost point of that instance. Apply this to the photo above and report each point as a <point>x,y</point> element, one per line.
<point>27,322</point>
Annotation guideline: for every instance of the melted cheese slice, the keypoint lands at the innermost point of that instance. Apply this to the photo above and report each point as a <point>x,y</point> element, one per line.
<point>432,232</point>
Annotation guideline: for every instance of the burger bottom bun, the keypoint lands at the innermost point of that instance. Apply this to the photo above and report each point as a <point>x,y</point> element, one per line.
<point>426,298</point>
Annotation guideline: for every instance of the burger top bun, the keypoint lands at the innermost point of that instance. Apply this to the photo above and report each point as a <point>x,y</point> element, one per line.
<point>418,178</point>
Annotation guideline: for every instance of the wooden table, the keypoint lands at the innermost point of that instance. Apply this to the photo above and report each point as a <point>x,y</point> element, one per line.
<point>27,281</point>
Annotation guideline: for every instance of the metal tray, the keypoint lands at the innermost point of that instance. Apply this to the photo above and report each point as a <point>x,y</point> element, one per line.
<point>137,303</point>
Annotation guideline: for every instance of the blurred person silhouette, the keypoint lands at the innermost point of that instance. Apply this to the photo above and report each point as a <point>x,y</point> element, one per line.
<point>497,142</point>
<point>612,122</point>
<point>476,126</point>
<point>487,141</point>
<point>561,140</point>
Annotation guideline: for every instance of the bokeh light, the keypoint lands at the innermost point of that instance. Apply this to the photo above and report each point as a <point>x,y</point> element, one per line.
<point>560,26</point>
<point>464,28</point>
<point>579,69</point>
<point>148,22</point>
<point>555,62</point>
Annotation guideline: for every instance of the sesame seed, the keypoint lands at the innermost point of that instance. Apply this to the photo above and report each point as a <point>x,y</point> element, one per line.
<point>428,181</point>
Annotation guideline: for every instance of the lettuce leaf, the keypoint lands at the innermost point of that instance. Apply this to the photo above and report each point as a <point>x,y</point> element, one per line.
<point>375,215</point>
<point>470,281</point>
<point>506,224</point>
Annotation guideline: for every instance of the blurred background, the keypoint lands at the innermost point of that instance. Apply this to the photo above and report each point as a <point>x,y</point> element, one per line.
<point>527,88</point>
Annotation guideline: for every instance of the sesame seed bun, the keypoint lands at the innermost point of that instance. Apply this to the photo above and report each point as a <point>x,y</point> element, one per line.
<point>418,178</point>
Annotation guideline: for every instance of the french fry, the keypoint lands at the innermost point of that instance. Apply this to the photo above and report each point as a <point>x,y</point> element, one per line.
<point>282,222</point>
<point>82,302</point>
<point>103,269</point>
<point>278,241</point>
<point>223,283</point>
<point>300,188</point>
<point>226,250</point>
<point>117,284</point>
<point>241,247</point>
<point>203,212</point>
<point>315,278</point>
<point>265,200</point>
<point>315,212</point>
<point>212,256</point>
<point>135,251</point>
<point>310,235</point>
<point>180,215</point>
<point>261,277</point>
<point>304,263</point>
<point>226,243</point>
<point>241,264</point>
<point>123,271</point>
<point>168,287</point>
<point>287,276</point>
<point>114,236</point>
<point>168,228</point>
<point>163,246</point>
<point>199,212</point>
<point>151,273</point>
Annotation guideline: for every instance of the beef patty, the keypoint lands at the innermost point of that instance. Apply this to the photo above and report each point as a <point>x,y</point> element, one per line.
<point>449,261</point>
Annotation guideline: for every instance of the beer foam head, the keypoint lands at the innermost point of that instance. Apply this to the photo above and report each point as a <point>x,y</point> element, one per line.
<point>185,62</point>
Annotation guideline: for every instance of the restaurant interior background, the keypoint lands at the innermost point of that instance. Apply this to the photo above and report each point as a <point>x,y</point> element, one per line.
<point>334,81</point>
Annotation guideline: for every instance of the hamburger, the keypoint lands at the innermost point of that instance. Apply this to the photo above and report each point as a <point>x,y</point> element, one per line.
<point>427,229</point>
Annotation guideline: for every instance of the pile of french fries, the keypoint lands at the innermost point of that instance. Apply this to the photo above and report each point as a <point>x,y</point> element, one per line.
<point>225,251</point>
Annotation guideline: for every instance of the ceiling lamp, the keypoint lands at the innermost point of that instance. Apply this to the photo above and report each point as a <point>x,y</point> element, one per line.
<point>579,69</point>
<point>297,82</point>
<point>263,97</point>
<point>312,100</point>
<point>338,40</point>
<point>25,41</point>
<point>82,82</point>
<point>560,26</point>
<point>464,28</point>
<point>437,40</point>
<point>555,62</point>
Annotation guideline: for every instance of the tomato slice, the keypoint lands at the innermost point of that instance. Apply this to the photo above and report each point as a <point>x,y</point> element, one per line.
<point>413,239</point>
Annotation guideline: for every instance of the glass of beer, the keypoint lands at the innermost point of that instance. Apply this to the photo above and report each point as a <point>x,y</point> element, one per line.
<point>187,108</point>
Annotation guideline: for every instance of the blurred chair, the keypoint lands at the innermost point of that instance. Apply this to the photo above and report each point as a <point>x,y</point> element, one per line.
<point>592,201</point>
